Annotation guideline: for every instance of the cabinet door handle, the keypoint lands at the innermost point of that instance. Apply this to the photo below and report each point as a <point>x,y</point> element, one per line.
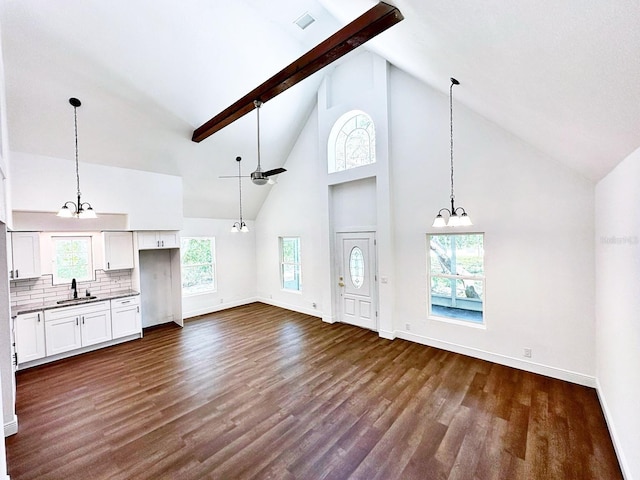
<point>77,321</point>
<point>138,309</point>
<point>163,243</point>
<point>38,318</point>
<point>126,301</point>
<point>11,273</point>
<point>17,273</point>
<point>158,242</point>
<point>83,319</point>
<point>108,263</point>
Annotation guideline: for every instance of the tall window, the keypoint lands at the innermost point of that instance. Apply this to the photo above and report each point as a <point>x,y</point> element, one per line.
<point>72,259</point>
<point>197,256</point>
<point>456,276</point>
<point>290,264</point>
<point>352,142</point>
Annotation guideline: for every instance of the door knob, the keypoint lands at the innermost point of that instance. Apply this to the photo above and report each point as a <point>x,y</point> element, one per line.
<point>341,284</point>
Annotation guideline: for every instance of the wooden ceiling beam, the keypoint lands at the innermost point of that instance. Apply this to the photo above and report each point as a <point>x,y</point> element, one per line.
<point>365,27</point>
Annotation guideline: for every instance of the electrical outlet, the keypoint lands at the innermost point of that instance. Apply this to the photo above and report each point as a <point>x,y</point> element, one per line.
<point>222,300</point>
<point>527,352</point>
<point>314,305</point>
<point>407,326</point>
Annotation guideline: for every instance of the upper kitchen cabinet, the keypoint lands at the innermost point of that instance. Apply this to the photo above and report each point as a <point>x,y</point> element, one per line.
<point>24,261</point>
<point>161,239</point>
<point>118,250</point>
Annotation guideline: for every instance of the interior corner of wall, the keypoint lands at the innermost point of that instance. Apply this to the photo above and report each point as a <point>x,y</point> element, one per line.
<point>328,318</point>
<point>11,427</point>
<point>387,334</point>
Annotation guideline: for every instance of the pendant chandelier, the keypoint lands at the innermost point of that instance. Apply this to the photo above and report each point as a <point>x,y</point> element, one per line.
<point>457,216</point>
<point>239,226</point>
<point>80,209</point>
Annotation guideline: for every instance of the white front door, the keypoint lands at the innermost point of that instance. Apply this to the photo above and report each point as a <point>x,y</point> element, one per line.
<point>356,279</point>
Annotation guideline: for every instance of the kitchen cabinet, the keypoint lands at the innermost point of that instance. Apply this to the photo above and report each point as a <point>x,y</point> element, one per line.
<point>162,239</point>
<point>118,250</point>
<point>125,316</point>
<point>24,261</point>
<point>70,328</point>
<point>29,336</point>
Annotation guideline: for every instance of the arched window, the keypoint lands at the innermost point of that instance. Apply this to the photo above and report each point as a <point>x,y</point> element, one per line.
<point>352,142</point>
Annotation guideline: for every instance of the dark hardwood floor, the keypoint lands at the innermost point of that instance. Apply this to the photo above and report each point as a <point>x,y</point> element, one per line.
<point>260,392</point>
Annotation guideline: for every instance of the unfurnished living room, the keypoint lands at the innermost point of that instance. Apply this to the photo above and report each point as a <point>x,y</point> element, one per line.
<point>320,239</point>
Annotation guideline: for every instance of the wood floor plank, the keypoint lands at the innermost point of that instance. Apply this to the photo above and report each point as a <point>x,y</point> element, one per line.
<point>258,392</point>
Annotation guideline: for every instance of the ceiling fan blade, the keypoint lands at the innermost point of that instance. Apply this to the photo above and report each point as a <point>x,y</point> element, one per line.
<point>233,176</point>
<point>275,171</point>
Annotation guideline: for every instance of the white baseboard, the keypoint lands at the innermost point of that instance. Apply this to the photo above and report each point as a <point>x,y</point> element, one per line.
<point>219,307</point>
<point>389,335</point>
<point>622,460</point>
<point>296,308</point>
<point>328,319</point>
<point>11,428</point>
<point>549,371</point>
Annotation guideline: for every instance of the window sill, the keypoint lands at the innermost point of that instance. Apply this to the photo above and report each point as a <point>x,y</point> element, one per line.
<point>453,321</point>
<point>199,294</point>
<point>286,290</point>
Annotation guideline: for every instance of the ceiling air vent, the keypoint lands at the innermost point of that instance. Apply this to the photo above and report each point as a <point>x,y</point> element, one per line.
<point>304,21</point>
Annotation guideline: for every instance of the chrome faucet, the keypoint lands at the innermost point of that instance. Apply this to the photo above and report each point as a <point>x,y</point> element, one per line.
<point>74,287</point>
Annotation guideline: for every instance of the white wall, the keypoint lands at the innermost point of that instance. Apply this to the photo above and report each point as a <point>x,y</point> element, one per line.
<point>152,201</point>
<point>536,216</point>
<point>292,209</point>
<point>10,420</point>
<point>618,307</point>
<point>235,266</point>
<point>7,377</point>
<point>535,213</point>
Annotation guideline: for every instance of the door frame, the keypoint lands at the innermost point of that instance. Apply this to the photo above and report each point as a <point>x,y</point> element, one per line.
<point>336,262</point>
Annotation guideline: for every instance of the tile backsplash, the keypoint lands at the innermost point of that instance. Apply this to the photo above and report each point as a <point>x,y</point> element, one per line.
<point>41,290</point>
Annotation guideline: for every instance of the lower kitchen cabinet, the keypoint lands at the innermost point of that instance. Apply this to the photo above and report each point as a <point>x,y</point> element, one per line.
<point>70,328</point>
<point>95,327</point>
<point>29,336</point>
<point>55,333</point>
<point>125,316</point>
<point>63,334</point>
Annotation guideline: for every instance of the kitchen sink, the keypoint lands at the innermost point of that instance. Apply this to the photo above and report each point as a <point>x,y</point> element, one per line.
<point>76,300</point>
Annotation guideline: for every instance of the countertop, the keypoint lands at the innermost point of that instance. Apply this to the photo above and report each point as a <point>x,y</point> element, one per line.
<point>38,307</point>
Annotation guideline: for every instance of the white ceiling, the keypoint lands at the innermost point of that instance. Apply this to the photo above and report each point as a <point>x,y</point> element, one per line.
<point>563,76</point>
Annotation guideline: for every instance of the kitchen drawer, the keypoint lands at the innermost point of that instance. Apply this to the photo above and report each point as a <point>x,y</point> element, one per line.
<point>82,309</point>
<point>125,302</point>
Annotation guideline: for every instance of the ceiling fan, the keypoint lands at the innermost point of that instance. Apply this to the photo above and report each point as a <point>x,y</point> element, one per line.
<point>258,176</point>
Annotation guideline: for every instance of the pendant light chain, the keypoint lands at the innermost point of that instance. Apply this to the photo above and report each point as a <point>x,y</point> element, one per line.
<point>240,190</point>
<point>451,128</point>
<point>457,215</point>
<point>80,209</point>
<point>239,226</point>
<point>75,121</point>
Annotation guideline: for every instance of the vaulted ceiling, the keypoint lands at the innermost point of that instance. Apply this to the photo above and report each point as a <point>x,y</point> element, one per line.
<point>562,76</point>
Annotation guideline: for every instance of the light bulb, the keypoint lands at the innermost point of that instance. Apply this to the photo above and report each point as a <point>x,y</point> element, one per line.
<point>454,220</point>
<point>65,212</point>
<point>439,222</point>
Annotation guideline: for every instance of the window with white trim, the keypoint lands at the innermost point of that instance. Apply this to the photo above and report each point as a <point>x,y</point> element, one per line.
<point>456,276</point>
<point>72,258</point>
<point>290,278</point>
<point>352,142</point>
<point>197,258</point>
